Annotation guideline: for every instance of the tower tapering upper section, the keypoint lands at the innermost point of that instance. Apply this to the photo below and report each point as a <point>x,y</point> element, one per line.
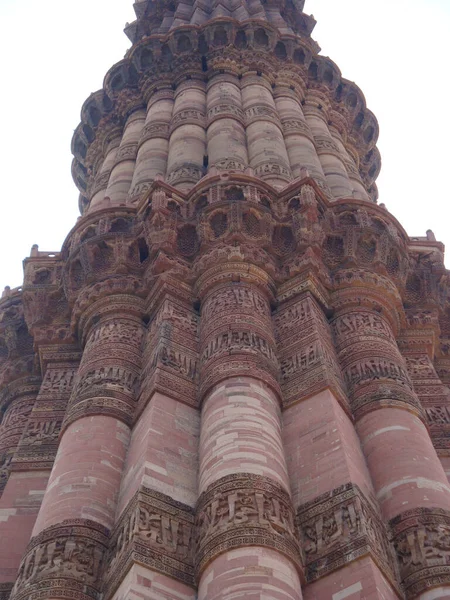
<point>160,17</point>
<point>223,86</point>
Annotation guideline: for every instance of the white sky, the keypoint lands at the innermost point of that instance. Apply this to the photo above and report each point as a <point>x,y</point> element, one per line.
<point>54,54</point>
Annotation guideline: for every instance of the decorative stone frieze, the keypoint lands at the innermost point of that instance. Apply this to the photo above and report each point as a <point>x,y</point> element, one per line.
<point>340,527</point>
<point>108,378</point>
<point>5,590</point>
<point>66,560</point>
<point>244,510</point>
<point>374,371</point>
<point>235,329</point>
<point>422,544</point>
<point>308,362</point>
<point>170,355</point>
<point>154,531</point>
<point>39,443</point>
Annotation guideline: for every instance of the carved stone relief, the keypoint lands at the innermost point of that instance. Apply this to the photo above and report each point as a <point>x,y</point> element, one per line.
<point>63,561</point>
<point>422,545</point>
<point>244,510</point>
<point>339,527</point>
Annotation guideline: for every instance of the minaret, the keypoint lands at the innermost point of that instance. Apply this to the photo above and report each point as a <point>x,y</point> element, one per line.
<point>232,382</point>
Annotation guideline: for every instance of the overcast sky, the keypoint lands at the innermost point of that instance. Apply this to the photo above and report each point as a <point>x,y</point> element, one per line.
<point>54,54</point>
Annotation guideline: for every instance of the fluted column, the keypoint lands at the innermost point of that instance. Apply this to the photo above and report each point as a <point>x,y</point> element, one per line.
<point>70,536</point>
<point>266,148</point>
<point>246,541</point>
<point>158,491</point>
<point>102,179</point>
<point>337,129</point>
<point>125,159</point>
<point>297,134</point>
<point>409,481</point>
<point>187,144</point>
<point>227,144</point>
<point>328,474</point>
<point>153,147</point>
<point>332,163</point>
<point>33,458</point>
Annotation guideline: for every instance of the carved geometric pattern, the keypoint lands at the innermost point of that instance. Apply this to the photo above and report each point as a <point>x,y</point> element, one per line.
<point>339,527</point>
<point>422,544</point>
<point>154,531</point>
<point>244,510</point>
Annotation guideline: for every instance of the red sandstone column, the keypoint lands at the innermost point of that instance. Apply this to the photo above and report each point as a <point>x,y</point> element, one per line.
<point>266,148</point>
<point>341,531</point>
<point>315,110</point>
<point>158,491</point>
<point>102,178</point>
<point>153,146</point>
<point>66,553</point>
<point>227,143</point>
<point>33,459</point>
<point>18,506</point>
<point>187,143</point>
<point>246,544</point>
<point>125,159</point>
<point>297,135</point>
<point>409,481</point>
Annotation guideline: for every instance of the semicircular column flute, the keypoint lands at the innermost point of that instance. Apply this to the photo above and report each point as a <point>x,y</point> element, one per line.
<point>246,542</point>
<point>332,162</point>
<point>266,148</point>
<point>187,144</point>
<point>66,554</point>
<point>101,181</point>
<point>297,134</point>
<point>410,484</point>
<point>227,144</point>
<point>153,146</point>
<point>125,159</point>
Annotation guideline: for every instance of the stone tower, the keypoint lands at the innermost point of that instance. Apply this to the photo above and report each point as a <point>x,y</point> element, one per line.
<point>233,381</point>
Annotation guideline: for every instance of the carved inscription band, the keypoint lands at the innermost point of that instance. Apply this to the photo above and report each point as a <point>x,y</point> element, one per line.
<point>245,510</point>
<point>339,527</point>
<point>154,531</point>
<point>422,544</point>
<point>64,561</point>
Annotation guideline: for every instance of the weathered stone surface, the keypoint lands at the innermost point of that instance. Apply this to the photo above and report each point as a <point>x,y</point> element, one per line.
<point>234,379</point>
